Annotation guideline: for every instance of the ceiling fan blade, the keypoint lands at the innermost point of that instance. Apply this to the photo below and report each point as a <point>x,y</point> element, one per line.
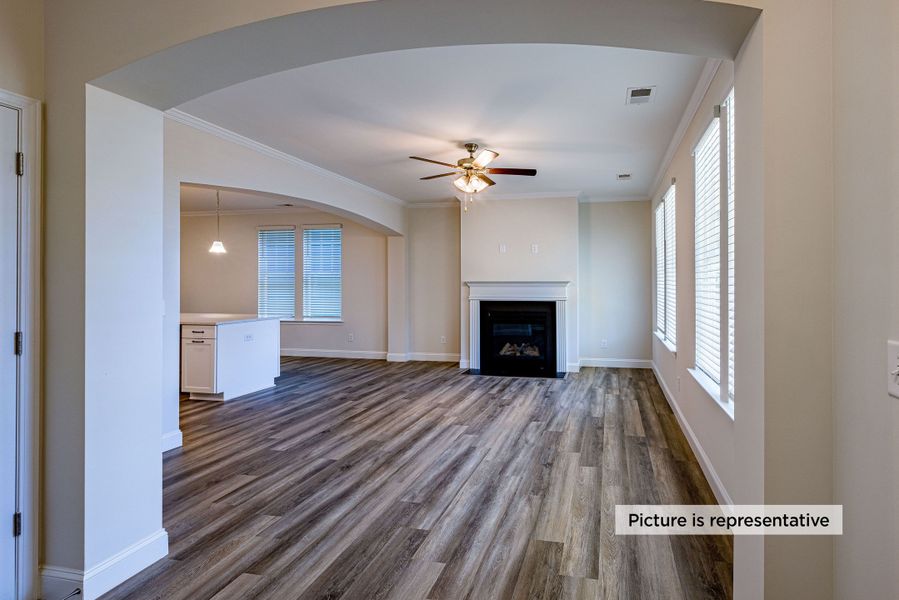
<point>436,162</point>
<point>487,180</point>
<point>527,172</point>
<point>484,158</point>
<point>441,175</point>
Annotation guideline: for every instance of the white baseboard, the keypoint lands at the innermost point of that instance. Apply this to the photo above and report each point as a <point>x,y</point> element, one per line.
<point>617,363</point>
<point>704,462</point>
<point>463,364</point>
<point>171,440</point>
<point>316,353</point>
<point>57,582</point>
<point>397,357</point>
<point>574,367</point>
<point>433,357</point>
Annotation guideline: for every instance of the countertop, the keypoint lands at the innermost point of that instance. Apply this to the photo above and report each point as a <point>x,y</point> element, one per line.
<point>220,318</point>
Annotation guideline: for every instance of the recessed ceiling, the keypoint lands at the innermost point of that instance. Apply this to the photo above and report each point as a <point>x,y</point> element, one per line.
<point>200,199</point>
<point>559,108</point>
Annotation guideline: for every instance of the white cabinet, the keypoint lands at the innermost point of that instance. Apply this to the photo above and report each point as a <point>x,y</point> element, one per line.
<point>228,356</point>
<point>198,366</point>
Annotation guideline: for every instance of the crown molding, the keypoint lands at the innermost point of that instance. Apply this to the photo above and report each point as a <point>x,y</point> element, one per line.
<point>567,195</point>
<point>702,87</point>
<point>606,200</point>
<point>226,134</point>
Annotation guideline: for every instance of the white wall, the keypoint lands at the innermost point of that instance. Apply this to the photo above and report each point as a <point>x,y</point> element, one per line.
<point>434,275</point>
<point>551,223</point>
<point>227,283</point>
<point>615,283</point>
<point>123,339</point>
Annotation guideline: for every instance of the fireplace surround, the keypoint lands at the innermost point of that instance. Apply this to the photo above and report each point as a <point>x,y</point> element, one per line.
<point>506,298</point>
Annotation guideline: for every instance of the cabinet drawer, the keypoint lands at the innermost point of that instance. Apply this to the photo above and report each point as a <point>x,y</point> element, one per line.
<point>198,331</point>
<point>198,366</point>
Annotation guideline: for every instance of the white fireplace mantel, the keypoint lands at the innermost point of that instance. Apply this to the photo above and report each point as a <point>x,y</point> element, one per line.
<point>522,291</point>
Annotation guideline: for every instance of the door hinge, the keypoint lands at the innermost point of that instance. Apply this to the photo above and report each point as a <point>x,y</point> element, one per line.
<point>18,343</point>
<point>17,524</point>
<point>20,163</point>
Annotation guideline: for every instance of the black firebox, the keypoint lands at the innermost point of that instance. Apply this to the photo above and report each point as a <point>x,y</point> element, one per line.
<point>518,339</point>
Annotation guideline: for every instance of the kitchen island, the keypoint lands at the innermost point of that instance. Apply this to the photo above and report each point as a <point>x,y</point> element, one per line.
<point>224,356</point>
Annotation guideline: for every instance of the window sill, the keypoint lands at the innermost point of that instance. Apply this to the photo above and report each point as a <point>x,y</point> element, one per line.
<point>671,347</point>
<point>713,390</point>
<point>313,321</point>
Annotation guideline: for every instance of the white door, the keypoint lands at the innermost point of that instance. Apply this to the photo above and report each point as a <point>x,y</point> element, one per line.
<point>9,310</point>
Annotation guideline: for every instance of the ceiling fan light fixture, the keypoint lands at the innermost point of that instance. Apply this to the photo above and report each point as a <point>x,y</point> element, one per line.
<point>484,158</point>
<point>470,184</point>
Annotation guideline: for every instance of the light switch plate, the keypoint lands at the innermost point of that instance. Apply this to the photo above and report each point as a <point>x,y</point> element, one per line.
<point>892,367</point>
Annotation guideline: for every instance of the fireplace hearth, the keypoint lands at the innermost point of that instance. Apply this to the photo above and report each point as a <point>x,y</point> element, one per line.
<point>518,338</point>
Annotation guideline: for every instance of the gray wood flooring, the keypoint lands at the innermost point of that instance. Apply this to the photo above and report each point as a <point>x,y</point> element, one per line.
<point>371,480</point>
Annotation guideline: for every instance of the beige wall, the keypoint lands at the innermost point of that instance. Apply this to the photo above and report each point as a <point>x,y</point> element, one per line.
<point>709,423</point>
<point>866,38</point>
<point>434,275</point>
<point>227,283</point>
<point>22,47</point>
<point>614,281</point>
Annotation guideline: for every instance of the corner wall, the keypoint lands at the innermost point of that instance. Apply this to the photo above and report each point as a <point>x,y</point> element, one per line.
<point>615,284</point>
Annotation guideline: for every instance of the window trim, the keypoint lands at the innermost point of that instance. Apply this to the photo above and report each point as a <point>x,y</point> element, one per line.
<point>662,332</point>
<point>720,392</point>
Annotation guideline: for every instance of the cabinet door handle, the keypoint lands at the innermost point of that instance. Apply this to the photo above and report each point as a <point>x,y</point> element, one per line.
<point>195,331</point>
<point>198,341</point>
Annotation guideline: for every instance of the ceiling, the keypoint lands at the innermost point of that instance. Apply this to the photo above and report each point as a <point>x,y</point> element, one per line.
<point>558,108</point>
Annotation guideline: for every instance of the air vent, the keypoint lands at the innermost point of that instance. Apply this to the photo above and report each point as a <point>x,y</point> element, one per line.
<point>640,95</point>
<point>624,176</point>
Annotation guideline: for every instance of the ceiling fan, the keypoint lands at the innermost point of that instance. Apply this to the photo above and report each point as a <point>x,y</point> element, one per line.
<point>472,170</point>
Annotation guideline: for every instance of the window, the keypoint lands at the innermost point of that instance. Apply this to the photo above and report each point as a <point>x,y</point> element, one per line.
<point>322,258</point>
<point>276,273</point>
<point>707,219</point>
<point>666,268</point>
<point>714,252</point>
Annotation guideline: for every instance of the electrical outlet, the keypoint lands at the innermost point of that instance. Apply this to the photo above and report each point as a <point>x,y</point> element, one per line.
<point>350,337</point>
<point>248,337</point>
<point>535,249</point>
<point>604,343</point>
<point>503,248</point>
<point>893,368</point>
<point>442,339</point>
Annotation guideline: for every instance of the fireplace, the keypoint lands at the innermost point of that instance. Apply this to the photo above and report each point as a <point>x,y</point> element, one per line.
<point>508,298</point>
<point>518,338</point>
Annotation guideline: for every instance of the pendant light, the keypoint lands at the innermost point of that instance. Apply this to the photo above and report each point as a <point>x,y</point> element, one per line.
<point>217,246</point>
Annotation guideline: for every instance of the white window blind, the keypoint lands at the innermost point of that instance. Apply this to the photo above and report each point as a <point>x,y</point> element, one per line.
<point>671,266</point>
<point>322,271</point>
<point>731,288</point>
<point>660,267</point>
<point>276,272</point>
<point>707,161</point>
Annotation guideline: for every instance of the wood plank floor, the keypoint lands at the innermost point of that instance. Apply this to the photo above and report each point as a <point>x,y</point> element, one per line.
<point>369,480</point>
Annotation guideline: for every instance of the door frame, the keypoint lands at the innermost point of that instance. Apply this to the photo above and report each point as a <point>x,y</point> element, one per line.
<point>29,455</point>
